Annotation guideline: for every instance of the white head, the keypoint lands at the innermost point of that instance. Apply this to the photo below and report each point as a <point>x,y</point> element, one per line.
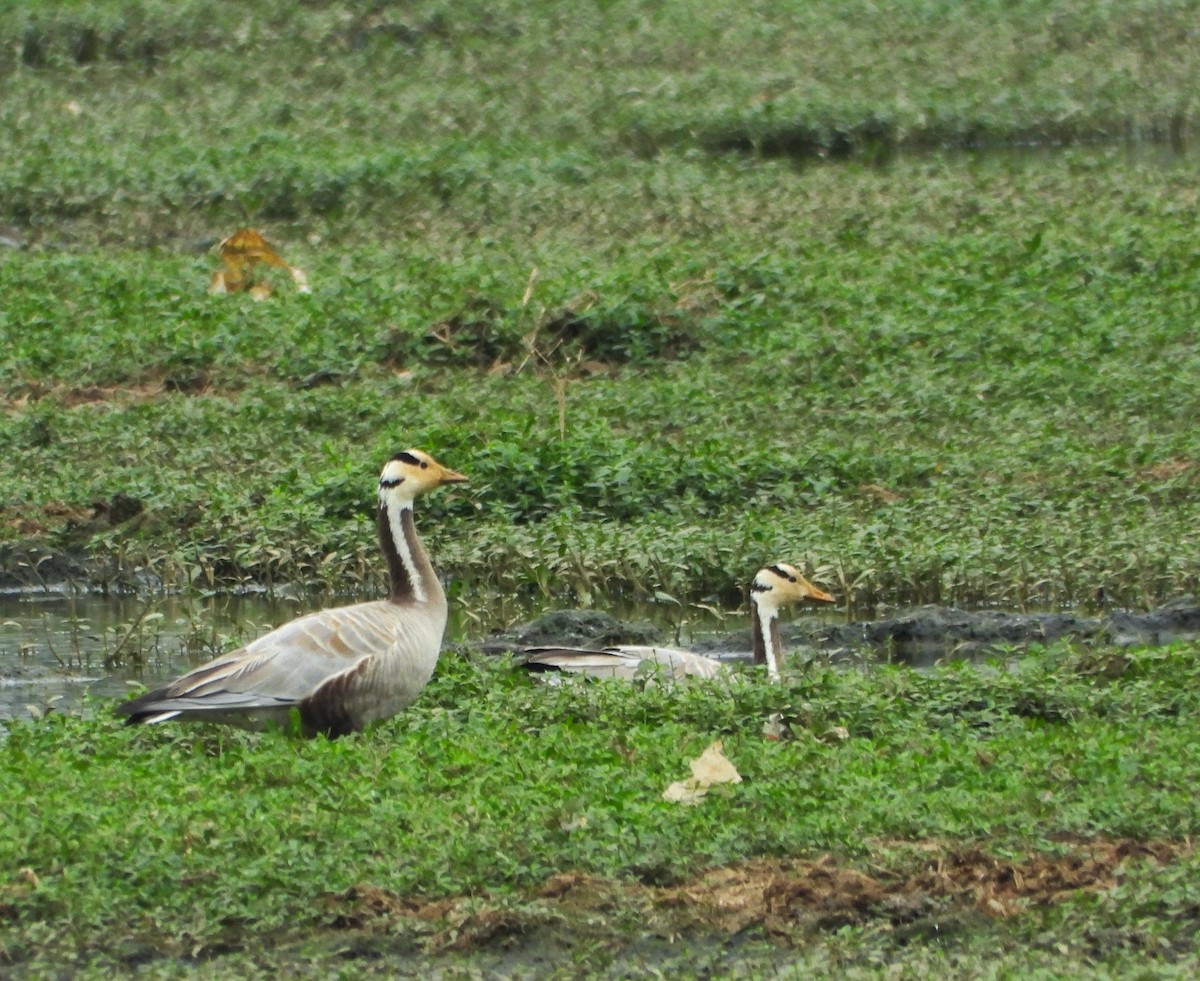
<point>775,586</point>
<point>782,585</point>
<point>411,473</point>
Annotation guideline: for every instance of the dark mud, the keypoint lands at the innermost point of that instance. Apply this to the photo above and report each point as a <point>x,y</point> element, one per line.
<point>28,565</point>
<point>749,919</point>
<point>53,554</point>
<point>575,628</point>
<point>919,637</point>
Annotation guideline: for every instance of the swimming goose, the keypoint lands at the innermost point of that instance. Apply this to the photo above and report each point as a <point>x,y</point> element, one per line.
<point>771,589</point>
<point>339,668</point>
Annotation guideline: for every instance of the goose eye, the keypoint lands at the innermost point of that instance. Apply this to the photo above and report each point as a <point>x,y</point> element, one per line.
<point>791,578</point>
<point>425,466</point>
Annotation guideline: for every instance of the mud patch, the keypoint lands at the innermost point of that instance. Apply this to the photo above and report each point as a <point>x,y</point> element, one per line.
<point>932,633</point>
<point>783,898</point>
<point>27,564</point>
<point>573,628</point>
<point>588,337</point>
<point>759,918</point>
<point>73,396</point>
<point>918,637</point>
<point>53,551</point>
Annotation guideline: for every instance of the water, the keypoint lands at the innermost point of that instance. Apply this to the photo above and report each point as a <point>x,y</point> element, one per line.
<point>56,647</point>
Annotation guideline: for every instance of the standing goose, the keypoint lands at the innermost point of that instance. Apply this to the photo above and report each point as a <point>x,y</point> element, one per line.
<point>339,668</point>
<point>771,589</point>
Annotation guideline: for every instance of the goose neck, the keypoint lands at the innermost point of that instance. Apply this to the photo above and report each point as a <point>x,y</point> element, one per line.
<point>409,569</point>
<point>766,643</point>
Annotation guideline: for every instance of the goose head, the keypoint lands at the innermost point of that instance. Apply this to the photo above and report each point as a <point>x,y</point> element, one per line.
<point>781,585</point>
<point>773,587</point>
<point>412,473</point>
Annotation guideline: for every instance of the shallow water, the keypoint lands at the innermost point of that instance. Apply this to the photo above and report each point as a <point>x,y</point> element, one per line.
<point>56,648</point>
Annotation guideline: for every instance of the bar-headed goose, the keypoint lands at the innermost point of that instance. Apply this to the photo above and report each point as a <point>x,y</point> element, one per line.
<point>772,588</point>
<point>339,668</point>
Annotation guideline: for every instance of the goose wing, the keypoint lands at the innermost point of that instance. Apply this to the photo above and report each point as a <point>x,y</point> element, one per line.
<point>287,665</point>
<point>678,662</point>
<point>622,662</point>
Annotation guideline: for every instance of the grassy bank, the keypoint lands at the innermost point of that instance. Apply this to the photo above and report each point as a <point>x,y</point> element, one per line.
<point>662,359</point>
<point>449,829</point>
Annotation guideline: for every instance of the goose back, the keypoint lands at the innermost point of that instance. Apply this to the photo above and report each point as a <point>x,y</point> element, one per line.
<point>341,668</point>
<point>773,587</point>
<point>622,662</point>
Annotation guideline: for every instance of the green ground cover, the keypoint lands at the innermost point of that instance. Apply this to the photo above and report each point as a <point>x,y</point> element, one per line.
<point>175,844</point>
<point>978,387</point>
<point>683,288</point>
<point>939,379</point>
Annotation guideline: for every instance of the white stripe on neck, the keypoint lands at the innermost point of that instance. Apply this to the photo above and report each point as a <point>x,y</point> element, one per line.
<point>764,624</point>
<point>768,612</point>
<point>396,525</point>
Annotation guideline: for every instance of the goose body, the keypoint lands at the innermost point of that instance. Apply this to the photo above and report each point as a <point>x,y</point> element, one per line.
<point>625,662</point>
<point>772,588</point>
<point>338,669</point>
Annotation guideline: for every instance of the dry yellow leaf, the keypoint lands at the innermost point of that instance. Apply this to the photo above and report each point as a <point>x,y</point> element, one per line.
<point>709,768</point>
<point>240,253</point>
<point>713,766</point>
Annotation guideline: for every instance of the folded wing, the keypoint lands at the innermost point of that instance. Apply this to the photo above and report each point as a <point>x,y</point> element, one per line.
<point>284,667</point>
<point>622,662</point>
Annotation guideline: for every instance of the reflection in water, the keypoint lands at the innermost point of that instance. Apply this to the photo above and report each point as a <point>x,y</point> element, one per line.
<point>57,647</point>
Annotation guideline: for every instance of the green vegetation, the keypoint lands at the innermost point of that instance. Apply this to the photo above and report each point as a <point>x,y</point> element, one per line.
<point>936,380</point>
<point>190,843</point>
<point>683,288</point>
<point>939,379</point>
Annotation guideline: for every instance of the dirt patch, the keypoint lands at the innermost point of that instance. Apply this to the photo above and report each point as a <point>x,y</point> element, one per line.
<point>747,920</point>
<point>1170,469</point>
<point>73,396</point>
<point>585,339</point>
<point>778,896</point>
<point>52,547</point>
